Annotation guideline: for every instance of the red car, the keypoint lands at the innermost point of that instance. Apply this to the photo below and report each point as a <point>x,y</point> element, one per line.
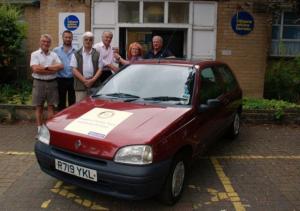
<point>137,134</point>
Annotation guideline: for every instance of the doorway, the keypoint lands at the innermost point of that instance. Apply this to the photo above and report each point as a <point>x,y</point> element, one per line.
<point>174,39</point>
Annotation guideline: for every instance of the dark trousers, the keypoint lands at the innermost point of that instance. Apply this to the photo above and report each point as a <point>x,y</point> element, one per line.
<point>106,73</point>
<point>65,87</point>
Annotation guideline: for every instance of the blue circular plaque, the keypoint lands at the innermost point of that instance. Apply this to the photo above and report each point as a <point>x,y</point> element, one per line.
<point>242,23</point>
<point>71,22</point>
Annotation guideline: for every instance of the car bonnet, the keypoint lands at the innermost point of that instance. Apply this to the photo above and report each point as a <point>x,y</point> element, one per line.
<point>102,127</point>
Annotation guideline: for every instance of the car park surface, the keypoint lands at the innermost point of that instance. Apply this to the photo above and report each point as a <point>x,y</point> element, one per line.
<point>258,171</point>
<point>135,137</point>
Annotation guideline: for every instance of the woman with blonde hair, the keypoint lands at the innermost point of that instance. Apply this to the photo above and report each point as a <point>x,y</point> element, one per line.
<point>135,52</point>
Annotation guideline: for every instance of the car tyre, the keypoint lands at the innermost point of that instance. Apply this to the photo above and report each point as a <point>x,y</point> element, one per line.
<point>175,181</point>
<point>234,129</point>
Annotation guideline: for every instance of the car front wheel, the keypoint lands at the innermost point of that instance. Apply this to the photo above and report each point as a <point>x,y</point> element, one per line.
<point>175,181</point>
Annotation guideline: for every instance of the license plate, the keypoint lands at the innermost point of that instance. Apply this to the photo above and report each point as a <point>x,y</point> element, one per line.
<point>76,170</point>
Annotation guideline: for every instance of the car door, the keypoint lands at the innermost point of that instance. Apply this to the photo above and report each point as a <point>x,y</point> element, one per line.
<point>232,92</point>
<point>208,119</point>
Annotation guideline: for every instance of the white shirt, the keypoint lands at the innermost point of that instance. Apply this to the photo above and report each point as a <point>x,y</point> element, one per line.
<point>40,58</point>
<point>106,54</point>
<point>87,66</point>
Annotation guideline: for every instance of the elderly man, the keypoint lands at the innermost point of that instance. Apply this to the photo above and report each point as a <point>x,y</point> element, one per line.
<point>87,65</point>
<point>65,76</point>
<point>44,65</point>
<point>107,55</point>
<point>157,51</point>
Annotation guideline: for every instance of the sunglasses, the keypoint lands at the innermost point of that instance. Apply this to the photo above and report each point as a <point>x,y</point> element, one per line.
<point>88,39</point>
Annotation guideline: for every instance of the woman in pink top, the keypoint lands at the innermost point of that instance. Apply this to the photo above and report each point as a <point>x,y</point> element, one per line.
<point>135,52</point>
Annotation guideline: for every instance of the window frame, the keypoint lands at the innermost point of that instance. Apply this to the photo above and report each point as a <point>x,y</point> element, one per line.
<point>165,11</point>
<point>224,71</point>
<point>277,42</point>
<point>218,82</point>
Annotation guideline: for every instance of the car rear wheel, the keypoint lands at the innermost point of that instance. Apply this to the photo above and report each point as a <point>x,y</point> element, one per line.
<point>234,129</point>
<point>175,181</point>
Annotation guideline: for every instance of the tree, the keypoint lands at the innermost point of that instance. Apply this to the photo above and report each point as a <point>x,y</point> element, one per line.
<point>12,34</point>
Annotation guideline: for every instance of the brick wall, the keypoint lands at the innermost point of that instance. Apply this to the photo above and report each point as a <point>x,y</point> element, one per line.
<point>249,53</point>
<point>32,17</point>
<point>50,10</point>
<point>44,19</point>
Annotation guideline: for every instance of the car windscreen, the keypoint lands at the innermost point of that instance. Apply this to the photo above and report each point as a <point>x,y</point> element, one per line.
<point>159,83</point>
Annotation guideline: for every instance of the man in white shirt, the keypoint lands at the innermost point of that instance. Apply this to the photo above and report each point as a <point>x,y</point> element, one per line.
<point>87,64</point>
<point>107,55</point>
<point>44,65</point>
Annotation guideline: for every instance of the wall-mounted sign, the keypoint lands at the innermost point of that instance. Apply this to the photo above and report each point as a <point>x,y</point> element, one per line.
<point>74,22</point>
<point>242,23</point>
<point>71,22</point>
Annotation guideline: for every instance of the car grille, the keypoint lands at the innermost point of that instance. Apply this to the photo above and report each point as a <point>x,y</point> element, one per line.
<point>76,156</point>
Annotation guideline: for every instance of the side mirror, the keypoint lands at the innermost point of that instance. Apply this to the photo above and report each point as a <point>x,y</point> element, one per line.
<point>210,103</point>
<point>213,103</point>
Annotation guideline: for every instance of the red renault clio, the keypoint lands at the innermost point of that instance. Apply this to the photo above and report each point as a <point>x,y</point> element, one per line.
<point>137,134</point>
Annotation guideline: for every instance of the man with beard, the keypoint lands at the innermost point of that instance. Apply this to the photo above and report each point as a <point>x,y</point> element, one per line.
<point>65,76</point>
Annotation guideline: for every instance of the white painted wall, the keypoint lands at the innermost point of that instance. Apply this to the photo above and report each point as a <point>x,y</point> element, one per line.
<point>201,30</point>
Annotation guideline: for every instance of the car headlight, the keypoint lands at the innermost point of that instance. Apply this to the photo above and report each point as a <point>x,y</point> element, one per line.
<point>136,154</point>
<point>44,135</point>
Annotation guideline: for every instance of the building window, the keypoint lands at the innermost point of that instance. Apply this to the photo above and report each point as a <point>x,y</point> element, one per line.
<point>153,12</point>
<point>286,35</point>
<point>128,12</point>
<point>178,12</point>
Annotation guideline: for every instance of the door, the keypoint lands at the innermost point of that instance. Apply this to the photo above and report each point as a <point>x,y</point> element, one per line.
<point>174,39</point>
<point>208,121</point>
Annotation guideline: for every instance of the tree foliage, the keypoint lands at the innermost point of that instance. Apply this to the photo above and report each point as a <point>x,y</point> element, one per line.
<point>282,80</point>
<point>12,34</point>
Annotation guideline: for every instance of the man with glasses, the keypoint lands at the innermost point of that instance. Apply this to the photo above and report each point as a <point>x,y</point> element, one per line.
<point>87,65</point>
<point>65,76</point>
<point>44,65</point>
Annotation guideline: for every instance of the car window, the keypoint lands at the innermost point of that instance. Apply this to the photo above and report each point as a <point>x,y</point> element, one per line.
<point>230,82</point>
<point>153,82</point>
<point>210,87</point>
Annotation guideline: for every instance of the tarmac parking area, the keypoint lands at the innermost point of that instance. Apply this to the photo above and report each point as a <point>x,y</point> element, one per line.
<point>260,170</point>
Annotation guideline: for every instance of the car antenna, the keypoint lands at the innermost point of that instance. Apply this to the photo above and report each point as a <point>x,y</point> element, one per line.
<point>167,46</point>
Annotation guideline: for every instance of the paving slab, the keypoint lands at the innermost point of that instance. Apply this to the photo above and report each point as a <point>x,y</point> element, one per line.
<point>260,170</point>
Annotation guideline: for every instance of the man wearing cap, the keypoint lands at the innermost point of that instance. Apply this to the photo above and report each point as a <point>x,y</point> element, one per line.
<point>87,67</point>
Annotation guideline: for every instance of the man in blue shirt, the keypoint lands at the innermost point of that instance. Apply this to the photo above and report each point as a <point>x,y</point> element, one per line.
<point>65,76</point>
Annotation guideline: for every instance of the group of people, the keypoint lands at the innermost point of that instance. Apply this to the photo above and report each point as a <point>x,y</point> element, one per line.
<point>66,74</point>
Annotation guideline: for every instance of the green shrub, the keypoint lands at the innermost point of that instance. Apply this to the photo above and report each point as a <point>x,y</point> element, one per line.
<point>278,106</point>
<point>12,34</point>
<point>282,80</point>
<point>17,93</point>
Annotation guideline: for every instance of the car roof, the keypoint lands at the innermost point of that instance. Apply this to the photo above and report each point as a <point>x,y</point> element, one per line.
<point>181,62</point>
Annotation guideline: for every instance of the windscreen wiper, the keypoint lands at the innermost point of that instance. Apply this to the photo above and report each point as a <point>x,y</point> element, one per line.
<point>122,95</point>
<point>115,95</point>
<point>164,98</point>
